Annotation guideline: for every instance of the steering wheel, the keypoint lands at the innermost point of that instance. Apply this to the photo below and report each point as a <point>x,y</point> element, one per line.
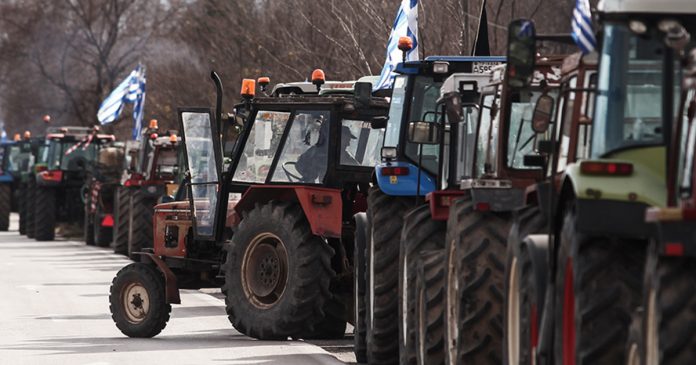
<point>291,177</point>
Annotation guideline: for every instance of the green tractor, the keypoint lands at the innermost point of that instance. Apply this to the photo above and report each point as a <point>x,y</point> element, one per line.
<point>57,195</point>
<point>597,237</point>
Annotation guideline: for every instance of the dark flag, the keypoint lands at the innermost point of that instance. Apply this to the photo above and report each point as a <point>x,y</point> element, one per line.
<point>481,46</point>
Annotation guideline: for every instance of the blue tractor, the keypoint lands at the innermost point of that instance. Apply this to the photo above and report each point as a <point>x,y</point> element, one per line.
<point>407,173</point>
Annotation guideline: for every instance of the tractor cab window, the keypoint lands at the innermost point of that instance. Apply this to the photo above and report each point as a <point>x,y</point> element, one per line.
<point>424,108</point>
<point>687,150</point>
<point>76,155</point>
<point>585,129</point>
<point>521,137</point>
<point>396,110</point>
<point>167,164</point>
<point>14,158</point>
<point>628,106</point>
<point>487,140</point>
<point>304,157</point>
<point>359,143</point>
<point>466,143</point>
<point>261,145</point>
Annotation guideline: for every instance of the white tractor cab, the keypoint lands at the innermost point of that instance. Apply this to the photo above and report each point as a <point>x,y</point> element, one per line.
<point>597,243</point>
<point>311,88</point>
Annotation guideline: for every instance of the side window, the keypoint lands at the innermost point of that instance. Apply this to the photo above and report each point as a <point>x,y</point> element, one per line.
<point>521,140</point>
<point>264,137</point>
<point>487,141</point>
<point>585,129</point>
<point>305,153</point>
<point>688,145</point>
<point>359,143</point>
<point>565,116</point>
<point>467,141</point>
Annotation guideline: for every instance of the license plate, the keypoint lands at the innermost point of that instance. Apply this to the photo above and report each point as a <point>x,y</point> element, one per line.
<point>483,67</point>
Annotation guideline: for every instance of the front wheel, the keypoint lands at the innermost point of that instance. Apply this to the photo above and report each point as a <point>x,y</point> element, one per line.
<point>669,318</point>
<point>45,214</point>
<point>475,263</point>
<point>430,308</point>
<point>277,274</point>
<point>5,206</point>
<point>137,301</point>
<point>598,286</point>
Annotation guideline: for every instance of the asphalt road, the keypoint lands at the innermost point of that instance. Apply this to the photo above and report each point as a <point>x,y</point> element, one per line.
<point>54,310</point>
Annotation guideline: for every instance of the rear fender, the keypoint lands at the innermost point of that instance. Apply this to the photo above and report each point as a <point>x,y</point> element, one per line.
<point>323,207</point>
<point>171,288</point>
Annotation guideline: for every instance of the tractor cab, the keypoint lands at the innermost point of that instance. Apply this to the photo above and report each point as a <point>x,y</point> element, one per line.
<point>68,152</point>
<point>408,168</point>
<point>287,143</point>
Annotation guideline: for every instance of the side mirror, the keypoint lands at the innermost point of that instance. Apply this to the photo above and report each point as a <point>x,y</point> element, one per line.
<point>453,106</point>
<point>542,114</point>
<point>521,53</point>
<point>424,133</point>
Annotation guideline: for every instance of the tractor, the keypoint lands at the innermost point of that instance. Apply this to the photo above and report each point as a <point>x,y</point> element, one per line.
<point>663,326</point>
<point>523,304</point>
<point>15,156</point>
<point>405,174</point>
<point>272,225</point>
<point>152,172</point>
<point>57,195</point>
<point>103,178</point>
<point>595,249</point>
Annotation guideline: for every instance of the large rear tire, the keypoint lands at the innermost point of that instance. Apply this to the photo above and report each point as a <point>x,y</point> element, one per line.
<point>598,285</point>
<point>420,233</point>
<point>137,301</point>
<point>523,296</point>
<point>45,214</point>
<point>475,251</point>
<point>362,229</point>
<point>5,206</point>
<point>277,274</point>
<point>429,311</point>
<point>30,208</point>
<point>669,318</point>
<point>386,220</point>
<point>22,193</point>
<point>140,227</point>
<point>121,220</point>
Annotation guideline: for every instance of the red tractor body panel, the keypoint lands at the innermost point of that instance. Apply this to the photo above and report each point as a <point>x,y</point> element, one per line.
<point>323,207</point>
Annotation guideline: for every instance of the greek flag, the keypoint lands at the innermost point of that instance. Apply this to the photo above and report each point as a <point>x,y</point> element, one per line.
<point>583,34</point>
<point>130,90</point>
<point>405,25</point>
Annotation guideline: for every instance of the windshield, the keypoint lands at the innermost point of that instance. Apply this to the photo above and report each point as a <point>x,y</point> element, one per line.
<point>396,108</point>
<point>15,158</point>
<point>70,156</point>
<point>522,138</point>
<point>424,108</point>
<point>304,157</point>
<point>628,107</point>
<point>261,145</point>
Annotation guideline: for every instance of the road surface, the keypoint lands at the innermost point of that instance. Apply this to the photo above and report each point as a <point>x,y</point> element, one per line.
<point>54,310</point>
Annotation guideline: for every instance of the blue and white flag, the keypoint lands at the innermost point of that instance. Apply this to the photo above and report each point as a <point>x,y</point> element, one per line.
<point>583,34</point>
<point>137,94</point>
<point>405,25</point>
<point>130,90</point>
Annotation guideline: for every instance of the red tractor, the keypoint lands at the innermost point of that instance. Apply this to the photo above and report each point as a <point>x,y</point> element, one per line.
<point>152,172</point>
<point>272,225</point>
<point>99,191</point>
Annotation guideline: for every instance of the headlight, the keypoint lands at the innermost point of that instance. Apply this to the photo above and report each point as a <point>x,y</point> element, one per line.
<point>388,153</point>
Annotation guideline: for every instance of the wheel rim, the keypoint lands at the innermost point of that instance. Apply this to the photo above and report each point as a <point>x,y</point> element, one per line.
<point>136,302</point>
<point>568,316</point>
<point>452,307</point>
<point>652,344</point>
<point>265,270</point>
<point>404,299</point>
<point>513,314</point>
<point>421,325</point>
